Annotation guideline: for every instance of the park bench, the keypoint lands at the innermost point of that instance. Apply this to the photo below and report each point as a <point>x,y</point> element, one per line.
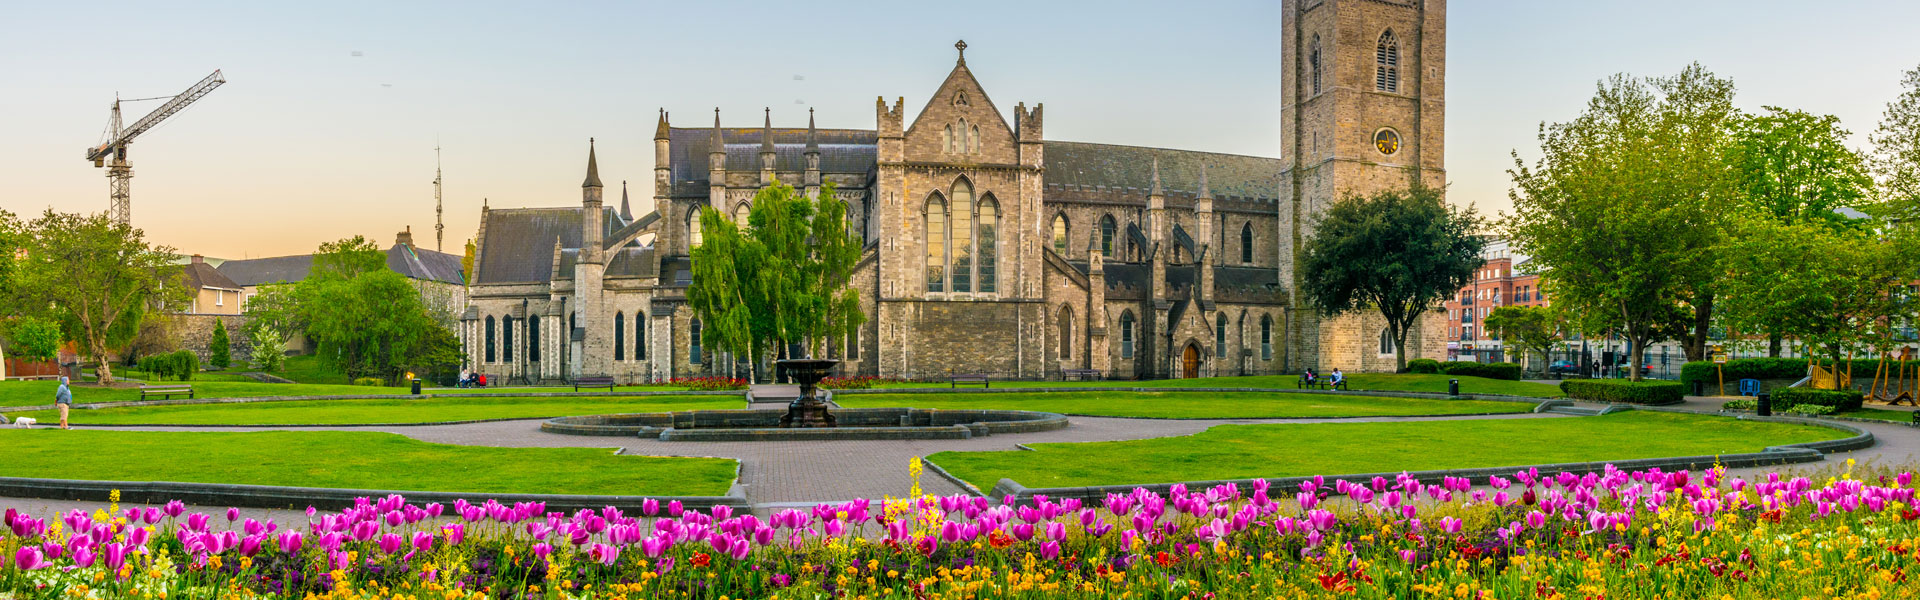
<point>165,392</point>
<point>969,379</point>
<point>1080,374</point>
<point>593,382</point>
<point>1320,384</point>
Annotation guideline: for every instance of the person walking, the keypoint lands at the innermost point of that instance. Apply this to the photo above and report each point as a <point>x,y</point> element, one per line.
<point>63,398</point>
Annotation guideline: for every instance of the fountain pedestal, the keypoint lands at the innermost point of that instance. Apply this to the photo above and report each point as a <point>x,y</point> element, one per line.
<point>807,410</point>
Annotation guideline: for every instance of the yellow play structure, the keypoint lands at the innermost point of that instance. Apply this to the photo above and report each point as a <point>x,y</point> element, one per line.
<point>1890,383</point>
<point>1823,379</point>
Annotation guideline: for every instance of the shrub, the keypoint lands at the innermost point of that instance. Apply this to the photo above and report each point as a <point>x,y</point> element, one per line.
<point>369,382</point>
<point>1423,365</point>
<point>1810,409</point>
<point>1741,404</point>
<point>180,365</point>
<point>219,351</point>
<point>269,349</point>
<point>862,382</point>
<point>1840,400</point>
<point>1783,368</point>
<point>1499,370</point>
<point>1632,392</point>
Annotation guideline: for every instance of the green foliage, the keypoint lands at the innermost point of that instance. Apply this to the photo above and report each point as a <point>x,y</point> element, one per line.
<point>783,279</point>
<point>276,306</point>
<point>347,259</point>
<point>155,336</point>
<point>1400,252</point>
<point>371,325</point>
<point>1896,151</point>
<point>1531,328</point>
<point>34,339</point>
<point>1622,213</point>
<point>1744,368</point>
<point>1829,287</point>
<point>181,365</point>
<point>466,263</point>
<point>369,382</point>
<point>1795,167</point>
<point>1423,365</point>
<point>1811,409</point>
<point>269,348</point>
<point>1500,370</point>
<point>1631,392</point>
<point>1843,400</point>
<point>12,240</point>
<point>1740,404</point>
<point>99,276</point>
<point>219,351</point>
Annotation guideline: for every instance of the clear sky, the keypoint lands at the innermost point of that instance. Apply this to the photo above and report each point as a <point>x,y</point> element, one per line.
<point>327,126</point>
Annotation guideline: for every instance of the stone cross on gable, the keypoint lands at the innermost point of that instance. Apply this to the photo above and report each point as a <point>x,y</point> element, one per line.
<point>962,47</point>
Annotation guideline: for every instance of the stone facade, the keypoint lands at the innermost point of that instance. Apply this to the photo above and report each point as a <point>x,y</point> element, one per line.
<point>195,332</point>
<point>989,248</point>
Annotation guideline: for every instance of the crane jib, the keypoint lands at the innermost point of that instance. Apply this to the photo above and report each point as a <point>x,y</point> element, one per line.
<point>178,103</point>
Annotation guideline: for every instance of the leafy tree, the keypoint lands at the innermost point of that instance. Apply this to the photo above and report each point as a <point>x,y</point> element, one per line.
<point>1896,151</point>
<point>1622,213</point>
<point>100,274</point>
<point>782,280</point>
<point>1831,288</point>
<point>219,351</point>
<point>276,306</point>
<point>1533,328</point>
<point>347,258</point>
<point>269,348</point>
<point>466,263</point>
<point>12,240</point>
<point>34,338</point>
<point>1399,251</point>
<point>371,325</point>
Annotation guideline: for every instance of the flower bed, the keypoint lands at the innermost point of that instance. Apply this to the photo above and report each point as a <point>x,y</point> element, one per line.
<point>1614,535</point>
<point>709,384</point>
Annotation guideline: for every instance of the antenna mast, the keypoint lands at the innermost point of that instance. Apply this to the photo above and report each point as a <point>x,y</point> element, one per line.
<point>439,227</point>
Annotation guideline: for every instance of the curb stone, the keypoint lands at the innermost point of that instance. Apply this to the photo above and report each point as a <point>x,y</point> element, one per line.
<point>937,470</point>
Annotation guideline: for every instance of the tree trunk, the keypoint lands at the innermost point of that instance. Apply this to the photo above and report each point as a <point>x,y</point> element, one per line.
<point>1399,348</point>
<point>1702,325</point>
<point>104,369</point>
<point>1635,358</point>
<point>1773,345</point>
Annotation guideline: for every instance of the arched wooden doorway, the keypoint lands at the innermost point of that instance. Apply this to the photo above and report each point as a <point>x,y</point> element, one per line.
<point>1190,362</point>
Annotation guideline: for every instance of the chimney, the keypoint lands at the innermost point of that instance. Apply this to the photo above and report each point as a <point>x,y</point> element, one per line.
<point>405,238</point>
<point>199,260</point>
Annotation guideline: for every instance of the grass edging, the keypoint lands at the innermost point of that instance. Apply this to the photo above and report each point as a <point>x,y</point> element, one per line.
<point>1771,455</point>
<point>964,485</point>
<point>294,498</point>
<point>253,399</point>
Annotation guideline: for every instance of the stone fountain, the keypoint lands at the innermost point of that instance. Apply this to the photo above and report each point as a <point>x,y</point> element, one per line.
<point>807,410</point>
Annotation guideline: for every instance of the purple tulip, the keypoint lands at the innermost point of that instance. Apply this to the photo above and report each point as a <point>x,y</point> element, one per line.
<point>665,565</point>
<point>1408,555</point>
<point>289,542</point>
<point>422,541</point>
<point>151,515</point>
<point>233,514</point>
<point>52,549</point>
<point>197,522</point>
<point>605,554</point>
<point>29,558</point>
<point>649,507</point>
<point>251,545</point>
<point>83,557</point>
<point>455,533</point>
<point>116,555</point>
<point>1023,531</point>
<point>542,549</point>
<point>390,543</point>
<point>1050,550</point>
<point>138,536</point>
<point>174,508</point>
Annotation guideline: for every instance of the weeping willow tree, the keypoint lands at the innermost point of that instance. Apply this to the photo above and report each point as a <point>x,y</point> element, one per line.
<point>781,281</point>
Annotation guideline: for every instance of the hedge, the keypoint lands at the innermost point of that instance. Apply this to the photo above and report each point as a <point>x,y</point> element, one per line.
<point>179,365</point>
<point>1784,368</point>
<point>1499,370</point>
<point>1632,392</point>
<point>1423,365</point>
<point>1843,400</point>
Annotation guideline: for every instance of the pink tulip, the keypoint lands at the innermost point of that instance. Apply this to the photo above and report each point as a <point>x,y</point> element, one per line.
<point>233,514</point>
<point>542,550</point>
<point>289,542</point>
<point>1050,550</point>
<point>422,541</point>
<point>455,533</point>
<point>83,557</point>
<point>29,558</point>
<point>390,543</point>
<point>649,507</point>
<point>1408,555</point>
<point>116,555</point>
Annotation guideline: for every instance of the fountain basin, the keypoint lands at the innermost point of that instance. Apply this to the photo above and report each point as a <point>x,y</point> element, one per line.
<point>763,425</point>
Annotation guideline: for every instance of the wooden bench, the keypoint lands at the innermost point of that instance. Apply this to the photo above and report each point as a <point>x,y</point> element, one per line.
<point>1320,384</point>
<point>969,379</point>
<point>1080,374</point>
<point>593,382</point>
<point>165,392</point>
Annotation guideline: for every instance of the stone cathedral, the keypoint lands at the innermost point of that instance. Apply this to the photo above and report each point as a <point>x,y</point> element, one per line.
<point>991,249</point>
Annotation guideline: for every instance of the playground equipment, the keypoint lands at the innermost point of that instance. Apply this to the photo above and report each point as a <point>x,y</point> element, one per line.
<point>1890,384</point>
<point>1823,379</point>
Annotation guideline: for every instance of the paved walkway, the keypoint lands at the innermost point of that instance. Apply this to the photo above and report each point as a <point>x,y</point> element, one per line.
<point>777,474</point>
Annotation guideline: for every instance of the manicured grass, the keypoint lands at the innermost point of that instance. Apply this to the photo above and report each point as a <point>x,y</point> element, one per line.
<point>30,393</point>
<point>350,412</point>
<point>1902,416</point>
<point>1400,382</point>
<point>1187,405</point>
<point>1283,450</point>
<point>356,460</point>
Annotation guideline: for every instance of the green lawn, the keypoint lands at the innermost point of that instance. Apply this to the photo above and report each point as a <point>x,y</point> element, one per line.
<point>1903,416</point>
<point>1248,451</point>
<point>1401,382</point>
<point>30,393</point>
<point>1187,405</point>
<point>355,460</point>
<point>349,412</point>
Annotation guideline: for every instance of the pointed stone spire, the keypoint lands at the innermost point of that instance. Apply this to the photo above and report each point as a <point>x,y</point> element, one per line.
<point>660,131</point>
<point>766,133</point>
<point>1204,193</point>
<point>716,144</point>
<point>593,168</point>
<point>626,210</point>
<point>1156,178</point>
<point>813,143</point>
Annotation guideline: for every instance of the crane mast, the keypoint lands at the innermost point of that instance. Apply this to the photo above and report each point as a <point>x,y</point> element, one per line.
<point>113,152</point>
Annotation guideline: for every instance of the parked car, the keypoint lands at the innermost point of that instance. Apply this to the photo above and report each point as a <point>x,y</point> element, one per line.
<point>1563,367</point>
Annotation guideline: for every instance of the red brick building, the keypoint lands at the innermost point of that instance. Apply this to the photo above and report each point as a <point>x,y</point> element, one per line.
<point>1504,280</point>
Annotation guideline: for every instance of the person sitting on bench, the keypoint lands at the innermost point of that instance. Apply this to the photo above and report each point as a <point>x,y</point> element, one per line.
<point>1308,376</point>
<point>1337,378</point>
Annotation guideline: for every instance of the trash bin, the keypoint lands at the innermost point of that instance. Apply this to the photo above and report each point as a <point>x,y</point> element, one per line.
<point>1699,387</point>
<point>416,386</point>
<point>1763,405</point>
<point>1453,387</point>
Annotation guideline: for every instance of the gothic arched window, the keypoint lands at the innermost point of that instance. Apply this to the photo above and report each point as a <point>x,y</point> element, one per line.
<point>975,138</point>
<point>693,228</point>
<point>1266,337</point>
<point>962,137</point>
<point>1220,335</point>
<point>490,334</point>
<point>740,215</point>
<point>506,339</point>
<point>1066,333</point>
<point>619,336</point>
<point>694,352</point>
<point>533,338</point>
<point>989,242</point>
<point>1107,229</point>
<point>936,244</point>
<point>1386,59</point>
<point>1246,243</point>
<point>962,235</point>
<point>640,335</point>
<point>946,139</point>
<point>1126,334</point>
<point>1060,235</point>
<point>1313,62</point>
<point>1386,341</point>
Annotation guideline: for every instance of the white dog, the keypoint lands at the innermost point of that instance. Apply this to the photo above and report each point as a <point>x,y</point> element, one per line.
<point>24,423</point>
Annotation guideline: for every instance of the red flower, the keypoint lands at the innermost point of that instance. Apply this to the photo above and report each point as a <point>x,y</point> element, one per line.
<point>1163,559</point>
<point>701,559</point>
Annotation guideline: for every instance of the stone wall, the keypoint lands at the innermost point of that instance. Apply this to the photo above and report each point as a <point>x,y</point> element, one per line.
<point>195,332</point>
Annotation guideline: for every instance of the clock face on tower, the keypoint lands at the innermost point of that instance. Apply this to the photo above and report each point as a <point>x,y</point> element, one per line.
<point>1387,141</point>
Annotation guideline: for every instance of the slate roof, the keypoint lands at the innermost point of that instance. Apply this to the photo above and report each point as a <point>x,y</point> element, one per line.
<point>202,275</point>
<point>413,262</point>
<point>261,271</point>
<point>845,151</point>
<point>1128,171</point>
<point>518,247</point>
<point>425,265</point>
<point>1239,285</point>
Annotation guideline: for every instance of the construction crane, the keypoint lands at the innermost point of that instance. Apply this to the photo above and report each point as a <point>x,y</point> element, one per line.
<point>115,148</point>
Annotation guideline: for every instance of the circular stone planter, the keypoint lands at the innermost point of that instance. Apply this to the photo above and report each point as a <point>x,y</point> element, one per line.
<point>763,425</point>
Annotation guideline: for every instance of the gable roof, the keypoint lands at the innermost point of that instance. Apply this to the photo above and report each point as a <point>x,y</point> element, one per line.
<point>201,275</point>
<point>1128,171</point>
<point>410,261</point>
<point>518,247</point>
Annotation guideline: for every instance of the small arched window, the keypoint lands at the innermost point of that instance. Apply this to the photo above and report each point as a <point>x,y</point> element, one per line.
<point>946,139</point>
<point>1386,342</point>
<point>1220,335</point>
<point>1126,334</point>
<point>694,352</point>
<point>989,238</point>
<point>1386,69</point>
<point>1107,229</point>
<point>1246,243</point>
<point>490,338</point>
<point>1066,333</point>
<point>1313,63</point>
<point>619,336</point>
<point>533,338</point>
<point>975,139</point>
<point>1060,235</point>
<point>936,245</point>
<point>640,335</point>
<point>693,228</point>
<point>506,339</point>
<point>962,235</point>
<point>1266,337</point>
<point>962,133</point>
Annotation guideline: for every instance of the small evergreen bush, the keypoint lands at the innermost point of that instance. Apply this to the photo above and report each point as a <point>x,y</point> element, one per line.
<point>1499,370</point>
<point>1423,365</point>
<point>1631,392</point>
<point>219,351</point>
<point>1840,400</point>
